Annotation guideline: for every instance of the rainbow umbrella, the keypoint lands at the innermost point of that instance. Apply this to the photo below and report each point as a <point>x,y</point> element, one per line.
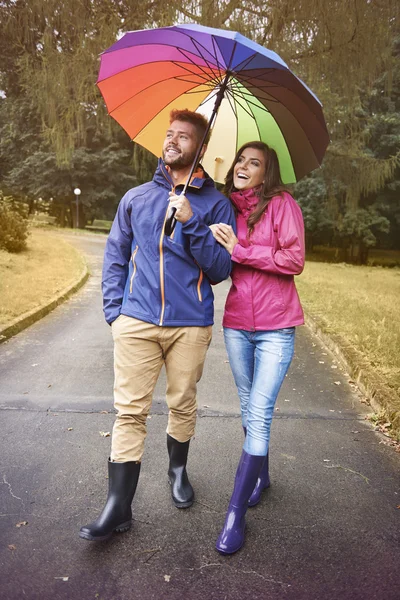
<point>247,91</point>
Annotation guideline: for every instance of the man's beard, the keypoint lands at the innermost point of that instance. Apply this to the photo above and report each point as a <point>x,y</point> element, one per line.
<point>180,161</point>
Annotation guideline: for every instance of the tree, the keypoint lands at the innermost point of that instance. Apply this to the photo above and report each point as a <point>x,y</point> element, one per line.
<point>51,61</point>
<point>103,176</point>
<point>319,221</point>
<point>357,229</point>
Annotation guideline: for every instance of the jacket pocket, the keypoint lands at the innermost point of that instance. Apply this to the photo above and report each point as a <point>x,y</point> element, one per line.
<point>280,289</point>
<point>133,258</point>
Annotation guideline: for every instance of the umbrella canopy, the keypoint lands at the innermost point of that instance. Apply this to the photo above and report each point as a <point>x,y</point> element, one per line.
<point>147,73</point>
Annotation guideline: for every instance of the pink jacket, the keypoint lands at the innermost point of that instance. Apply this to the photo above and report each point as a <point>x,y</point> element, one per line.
<point>263,295</point>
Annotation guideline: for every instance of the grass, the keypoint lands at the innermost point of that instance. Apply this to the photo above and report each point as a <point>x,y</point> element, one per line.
<point>30,279</point>
<point>361,304</point>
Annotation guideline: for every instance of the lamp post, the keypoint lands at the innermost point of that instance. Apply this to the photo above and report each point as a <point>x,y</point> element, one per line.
<point>77,193</point>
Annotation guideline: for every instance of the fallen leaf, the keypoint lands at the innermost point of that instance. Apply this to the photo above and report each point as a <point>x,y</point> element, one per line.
<point>167,577</point>
<point>49,386</point>
<point>12,547</point>
<point>104,433</point>
<point>398,506</point>
<point>21,523</point>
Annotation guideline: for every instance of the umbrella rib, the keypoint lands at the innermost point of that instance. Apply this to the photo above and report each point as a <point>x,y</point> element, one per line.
<point>246,62</point>
<point>205,82</point>
<point>198,47</point>
<point>266,86</point>
<point>198,66</point>
<point>253,115</point>
<point>216,58</point>
<point>209,97</point>
<point>194,42</point>
<point>245,93</point>
<point>248,111</point>
<point>257,82</point>
<point>230,97</point>
<point>205,76</point>
<point>245,77</point>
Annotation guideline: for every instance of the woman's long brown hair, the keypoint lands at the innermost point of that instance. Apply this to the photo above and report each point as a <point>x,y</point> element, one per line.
<point>272,186</point>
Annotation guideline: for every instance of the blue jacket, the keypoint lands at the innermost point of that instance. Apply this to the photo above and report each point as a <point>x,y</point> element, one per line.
<point>160,279</point>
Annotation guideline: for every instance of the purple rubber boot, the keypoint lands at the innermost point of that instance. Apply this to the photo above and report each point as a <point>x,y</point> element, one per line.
<point>231,538</point>
<point>263,483</point>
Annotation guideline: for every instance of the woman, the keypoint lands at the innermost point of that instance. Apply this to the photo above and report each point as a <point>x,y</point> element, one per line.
<point>261,312</point>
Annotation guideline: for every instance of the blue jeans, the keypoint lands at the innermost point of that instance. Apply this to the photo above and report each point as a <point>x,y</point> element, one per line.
<point>259,361</point>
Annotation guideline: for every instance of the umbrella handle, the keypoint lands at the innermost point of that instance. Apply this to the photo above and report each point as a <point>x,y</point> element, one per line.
<point>170,221</point>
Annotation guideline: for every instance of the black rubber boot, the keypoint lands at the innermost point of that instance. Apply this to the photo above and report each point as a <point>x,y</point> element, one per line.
<point>117,513</point>
<point>182,491</point>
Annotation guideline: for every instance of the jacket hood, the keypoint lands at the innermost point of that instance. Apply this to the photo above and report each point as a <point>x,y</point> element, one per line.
<point>246,200</point>
<point>162,177</point>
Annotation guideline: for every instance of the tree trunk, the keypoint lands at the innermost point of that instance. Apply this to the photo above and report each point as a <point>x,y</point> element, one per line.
<point>31,206</point>
<point>363,253</point>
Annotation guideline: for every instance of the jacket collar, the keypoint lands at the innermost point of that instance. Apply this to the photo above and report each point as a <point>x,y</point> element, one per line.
<point>246,200</point>
<point>199,179</point>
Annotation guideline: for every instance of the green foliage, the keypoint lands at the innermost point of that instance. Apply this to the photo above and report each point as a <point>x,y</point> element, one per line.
<point>359,228</point>
<point>13,226</point>
<point>319,221</point>
<point>103,177</point>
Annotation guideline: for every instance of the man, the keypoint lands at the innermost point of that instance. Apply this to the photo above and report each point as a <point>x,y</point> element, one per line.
<point>158,299</point>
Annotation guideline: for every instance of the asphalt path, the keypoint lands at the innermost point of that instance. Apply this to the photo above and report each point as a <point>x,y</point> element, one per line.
<point>328,528</point>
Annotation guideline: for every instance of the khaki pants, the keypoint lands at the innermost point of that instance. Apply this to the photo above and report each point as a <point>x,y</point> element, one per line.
<point>140,350</point>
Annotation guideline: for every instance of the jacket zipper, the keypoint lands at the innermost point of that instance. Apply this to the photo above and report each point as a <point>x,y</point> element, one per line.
<point>160,246</point>
<point>199,286</point>
<point>252,301</point>
<point>162,263</point>
<point>134,267</point>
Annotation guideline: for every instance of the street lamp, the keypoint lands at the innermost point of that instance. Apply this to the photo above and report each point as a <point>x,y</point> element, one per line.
<point>77,193</point>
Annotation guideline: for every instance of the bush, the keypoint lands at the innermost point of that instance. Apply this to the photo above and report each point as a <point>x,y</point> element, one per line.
<point>13,228</point>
